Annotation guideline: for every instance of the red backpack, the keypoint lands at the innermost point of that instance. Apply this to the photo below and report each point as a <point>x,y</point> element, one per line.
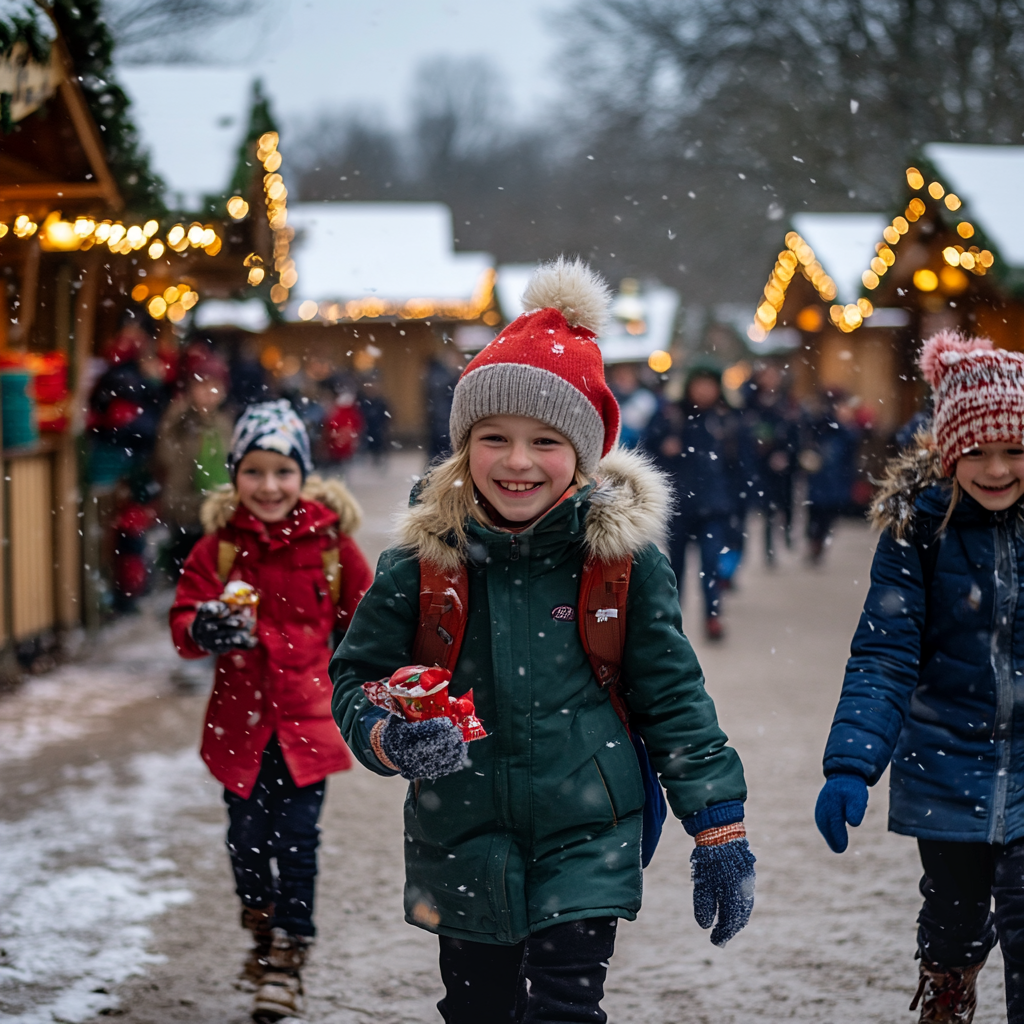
<point>601,613</point>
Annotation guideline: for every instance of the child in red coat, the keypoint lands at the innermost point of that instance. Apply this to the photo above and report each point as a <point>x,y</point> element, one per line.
<point>269,736</point>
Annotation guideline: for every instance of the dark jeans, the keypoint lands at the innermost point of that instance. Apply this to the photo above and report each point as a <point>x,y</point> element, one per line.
<point>957,926</point>
<point>555,975</point>
<point>278,821</point>
<point>708,534</point>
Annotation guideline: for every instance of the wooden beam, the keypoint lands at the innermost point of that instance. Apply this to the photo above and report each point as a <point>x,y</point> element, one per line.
<point>54,190</point>
<point>85,127</point>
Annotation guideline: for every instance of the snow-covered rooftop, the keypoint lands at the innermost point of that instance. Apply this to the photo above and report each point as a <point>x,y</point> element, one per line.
<point>390,251</point>
<point>990,182</point>
<point>191,120</point>
<point>844,244</point>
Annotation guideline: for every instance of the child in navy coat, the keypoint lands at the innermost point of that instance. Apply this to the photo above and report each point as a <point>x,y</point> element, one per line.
<point>933,685</point>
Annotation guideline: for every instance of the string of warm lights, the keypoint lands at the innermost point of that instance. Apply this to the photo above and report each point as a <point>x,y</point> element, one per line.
<point>797,256</point>
<point>173,302</point>
<point>477,308</point>
<point>58,235</point>
<point>276,198</point>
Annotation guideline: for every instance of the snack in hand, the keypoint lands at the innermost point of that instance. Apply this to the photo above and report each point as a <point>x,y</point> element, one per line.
<point>417,693</point>
<point>242,599</point>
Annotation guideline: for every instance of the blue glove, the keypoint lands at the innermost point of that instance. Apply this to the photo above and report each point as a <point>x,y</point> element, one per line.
<point>423,750</point>
<point>842,800</point>
<point>723,887</point>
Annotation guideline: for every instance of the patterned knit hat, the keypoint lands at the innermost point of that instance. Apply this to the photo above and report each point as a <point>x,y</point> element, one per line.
<point>270,427</point>
<point>546,364</point>
<point>979,394</point>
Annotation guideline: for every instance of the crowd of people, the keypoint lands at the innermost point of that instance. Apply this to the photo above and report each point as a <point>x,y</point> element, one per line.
<point>159,425</point>
<point>755,449</point>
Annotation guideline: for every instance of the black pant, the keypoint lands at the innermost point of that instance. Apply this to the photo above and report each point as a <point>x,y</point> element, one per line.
<point>555,975</point>
<point>279,821</point>
<point>957,926</point>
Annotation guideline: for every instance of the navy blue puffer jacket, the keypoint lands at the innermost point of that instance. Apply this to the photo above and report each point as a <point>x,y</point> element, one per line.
<point>935,679</point>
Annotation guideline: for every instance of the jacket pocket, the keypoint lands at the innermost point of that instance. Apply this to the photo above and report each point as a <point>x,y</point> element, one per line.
<point>617,765</point>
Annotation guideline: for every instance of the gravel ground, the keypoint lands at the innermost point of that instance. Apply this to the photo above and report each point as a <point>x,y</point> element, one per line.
<point>116,895</point>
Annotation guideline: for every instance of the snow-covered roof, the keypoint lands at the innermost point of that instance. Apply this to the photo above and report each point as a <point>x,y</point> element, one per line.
<point>844,244</point>
<point>192,121</point>
<point>249,314</point>
<point>510,284</point>
<point>990,182</point>
<point>389,251</point>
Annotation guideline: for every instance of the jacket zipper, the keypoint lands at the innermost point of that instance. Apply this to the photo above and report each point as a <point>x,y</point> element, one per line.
<point>1001,658</point>
<point>514,555</point>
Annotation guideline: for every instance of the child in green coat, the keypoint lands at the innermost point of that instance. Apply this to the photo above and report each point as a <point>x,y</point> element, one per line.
<point>524,848</point>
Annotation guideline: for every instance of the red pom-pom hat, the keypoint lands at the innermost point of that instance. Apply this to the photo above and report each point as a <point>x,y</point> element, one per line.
<point>979,394</point>
<point>547,365</point>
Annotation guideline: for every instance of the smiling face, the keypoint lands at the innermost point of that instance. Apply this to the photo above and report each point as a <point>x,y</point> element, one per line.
<point>268,485</point>
<point>992,474</point>
<point>520,466</point>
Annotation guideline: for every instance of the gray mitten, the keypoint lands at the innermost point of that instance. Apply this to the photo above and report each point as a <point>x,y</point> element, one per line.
<point>423,750</point>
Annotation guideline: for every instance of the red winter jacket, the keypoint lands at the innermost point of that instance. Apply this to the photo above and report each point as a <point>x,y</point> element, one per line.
<point>282,685</point>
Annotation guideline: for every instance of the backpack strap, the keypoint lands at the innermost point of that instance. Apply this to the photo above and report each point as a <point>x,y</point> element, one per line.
<point>444,607</point>
<point>331,560</point>
<point>604,588</point>
<point>226,554</point>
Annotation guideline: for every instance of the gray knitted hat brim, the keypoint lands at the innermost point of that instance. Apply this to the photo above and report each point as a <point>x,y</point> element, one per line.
<point>516,389</point>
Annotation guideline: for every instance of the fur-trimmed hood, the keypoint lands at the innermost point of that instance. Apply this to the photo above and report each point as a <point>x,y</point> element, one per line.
<point>906,478</point>
<point>629,509</point>
<point>220,506</point>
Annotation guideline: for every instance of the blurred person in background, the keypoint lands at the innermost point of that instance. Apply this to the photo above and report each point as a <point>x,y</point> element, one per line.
<point>192,444</point>
<point>442,375</point>
<point>696,441</point>
<point>772,421</point>
<point>125,407</point>
<point>377,418</point>
<point>828,455</point>
<point>344,426</point>
<point>637,403</point>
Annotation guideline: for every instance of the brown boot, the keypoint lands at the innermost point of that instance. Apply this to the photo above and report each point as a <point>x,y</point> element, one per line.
<point>949,995</point>
<point>280,992</point>
<point>257,921</point>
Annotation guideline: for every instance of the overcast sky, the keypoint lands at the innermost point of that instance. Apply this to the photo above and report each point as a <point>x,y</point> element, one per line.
<point>316,54</point>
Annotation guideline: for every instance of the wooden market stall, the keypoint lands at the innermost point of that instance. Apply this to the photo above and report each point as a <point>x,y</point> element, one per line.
<point>852,295</point>
<point>52,170</point>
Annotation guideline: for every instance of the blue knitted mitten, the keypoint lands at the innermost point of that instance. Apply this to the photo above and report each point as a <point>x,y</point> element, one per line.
<point>424,750</point>
<point>723,887</point>
<point>842,800</point>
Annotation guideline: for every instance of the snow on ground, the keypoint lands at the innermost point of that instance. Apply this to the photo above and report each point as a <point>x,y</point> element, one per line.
<point>81,877</point>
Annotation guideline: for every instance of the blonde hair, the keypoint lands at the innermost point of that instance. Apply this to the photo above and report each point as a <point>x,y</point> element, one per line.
<point>954,500</point>
<point>450,494</point>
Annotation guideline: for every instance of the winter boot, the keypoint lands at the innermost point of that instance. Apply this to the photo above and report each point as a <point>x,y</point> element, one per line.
<point>949,996</point>
<point>256,920</point>
<point>280,992</point>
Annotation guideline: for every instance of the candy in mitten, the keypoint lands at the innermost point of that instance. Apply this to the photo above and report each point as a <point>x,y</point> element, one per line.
<point>218,631</point>
<point>723,886</point>
<point>842,800</point>
<point>423,750</point>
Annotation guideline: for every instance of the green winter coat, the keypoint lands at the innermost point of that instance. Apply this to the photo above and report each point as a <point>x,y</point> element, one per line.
<point>544,825</point>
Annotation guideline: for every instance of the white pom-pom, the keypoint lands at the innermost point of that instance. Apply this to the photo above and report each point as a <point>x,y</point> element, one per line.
<point>570,286</point>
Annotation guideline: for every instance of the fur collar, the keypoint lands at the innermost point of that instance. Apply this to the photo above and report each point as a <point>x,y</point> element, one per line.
<point>906,478</point>
<point>220,506</point>
<point>629,509</point>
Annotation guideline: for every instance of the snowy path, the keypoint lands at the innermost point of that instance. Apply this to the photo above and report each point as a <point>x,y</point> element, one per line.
<point>115,896</point>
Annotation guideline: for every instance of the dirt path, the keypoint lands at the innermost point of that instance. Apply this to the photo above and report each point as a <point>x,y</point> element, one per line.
<point>113,873</point>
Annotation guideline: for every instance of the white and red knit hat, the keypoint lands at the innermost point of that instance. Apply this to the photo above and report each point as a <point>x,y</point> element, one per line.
<point>979,394</point>
<point>546,364</point>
